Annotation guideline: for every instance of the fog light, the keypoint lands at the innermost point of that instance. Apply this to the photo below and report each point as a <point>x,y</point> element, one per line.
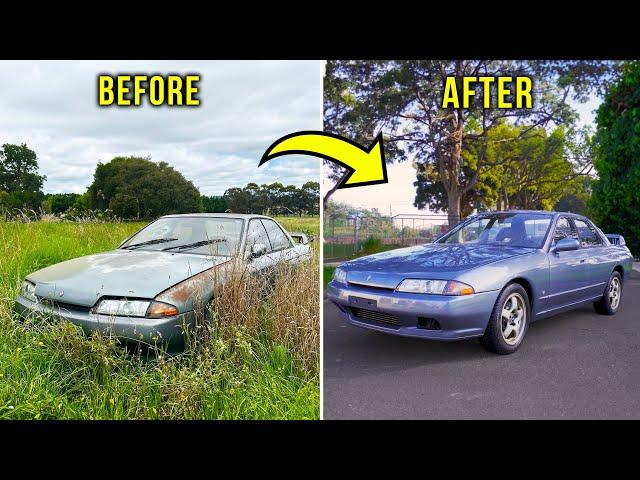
<point>428,323</point>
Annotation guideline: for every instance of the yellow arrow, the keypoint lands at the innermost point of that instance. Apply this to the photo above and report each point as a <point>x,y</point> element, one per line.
<point>366,166</point>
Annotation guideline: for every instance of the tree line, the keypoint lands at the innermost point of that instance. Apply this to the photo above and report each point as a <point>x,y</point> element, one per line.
<point>136,187</point>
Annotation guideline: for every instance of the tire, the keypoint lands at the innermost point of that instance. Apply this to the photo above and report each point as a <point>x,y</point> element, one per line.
<point>611,297</point>
<point>509,321</point>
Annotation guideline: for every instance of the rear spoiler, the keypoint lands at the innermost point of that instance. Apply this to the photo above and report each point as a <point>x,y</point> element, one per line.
<point>301,237</point>
<point>615,239</point>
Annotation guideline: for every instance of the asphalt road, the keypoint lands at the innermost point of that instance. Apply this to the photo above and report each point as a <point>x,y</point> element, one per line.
<point>577,365</point>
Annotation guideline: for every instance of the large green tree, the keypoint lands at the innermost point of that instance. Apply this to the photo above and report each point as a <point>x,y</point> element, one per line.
<point>19,177</point>
<point>135,187</point>
<point>403,99</point>
<point>532,171</point>
<point>615,201</point>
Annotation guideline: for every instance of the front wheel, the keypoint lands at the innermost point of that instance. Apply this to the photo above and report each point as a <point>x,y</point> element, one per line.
<point>610,301</point>
<point>509,321</point>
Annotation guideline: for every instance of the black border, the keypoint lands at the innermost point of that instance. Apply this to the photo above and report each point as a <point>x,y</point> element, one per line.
<point>333,32</point>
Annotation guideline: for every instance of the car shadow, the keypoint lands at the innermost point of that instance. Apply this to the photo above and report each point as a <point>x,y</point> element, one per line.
<point>352,351</point>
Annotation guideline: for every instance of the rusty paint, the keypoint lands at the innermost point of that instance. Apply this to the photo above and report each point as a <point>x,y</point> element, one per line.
<point>191,287</point>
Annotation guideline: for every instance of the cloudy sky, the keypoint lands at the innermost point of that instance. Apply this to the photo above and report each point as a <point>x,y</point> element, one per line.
<point>398,195</point>
<point>245,106</point>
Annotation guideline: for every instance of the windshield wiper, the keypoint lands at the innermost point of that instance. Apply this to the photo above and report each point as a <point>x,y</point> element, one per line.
<point>201,243</point>
<point>149,242</point>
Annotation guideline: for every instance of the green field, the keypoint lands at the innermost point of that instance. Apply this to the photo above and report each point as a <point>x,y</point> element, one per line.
<point>260,362</point>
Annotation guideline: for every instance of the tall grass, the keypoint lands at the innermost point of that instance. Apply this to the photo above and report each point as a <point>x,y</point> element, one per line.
<point>258,358</point>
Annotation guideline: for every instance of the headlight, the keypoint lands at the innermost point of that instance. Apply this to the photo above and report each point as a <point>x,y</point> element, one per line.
<point>435,287</point>
<point>340,275</point>
<point>28,291</point>
<point>134,308</point>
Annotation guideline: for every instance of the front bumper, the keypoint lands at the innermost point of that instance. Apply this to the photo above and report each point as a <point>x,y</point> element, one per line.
<point>458,317</point>
<point>167,331</point>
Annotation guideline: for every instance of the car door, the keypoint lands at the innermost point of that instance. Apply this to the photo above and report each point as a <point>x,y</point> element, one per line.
<point>281,246</point>
<point>257,234</point>
<point>568,271</point>
<point>599,269</point>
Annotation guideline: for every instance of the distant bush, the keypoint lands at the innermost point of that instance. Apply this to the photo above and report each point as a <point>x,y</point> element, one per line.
<point>371,245</point>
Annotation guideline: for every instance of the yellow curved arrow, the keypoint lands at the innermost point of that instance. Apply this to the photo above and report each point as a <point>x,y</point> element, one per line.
<point>366,165</point>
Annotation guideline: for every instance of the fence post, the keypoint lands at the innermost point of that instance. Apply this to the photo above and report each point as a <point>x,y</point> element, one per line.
<point>355,234</point>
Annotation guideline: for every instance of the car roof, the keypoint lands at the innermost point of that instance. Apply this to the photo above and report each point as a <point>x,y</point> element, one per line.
<point>545,212</point>
<point>214,215</point>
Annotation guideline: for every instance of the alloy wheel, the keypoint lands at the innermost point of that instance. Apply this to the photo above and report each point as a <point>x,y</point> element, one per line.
<point>614,293</point>
<point>513,318</point>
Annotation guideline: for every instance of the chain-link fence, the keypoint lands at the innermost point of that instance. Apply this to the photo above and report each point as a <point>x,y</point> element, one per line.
<point>352,235</point>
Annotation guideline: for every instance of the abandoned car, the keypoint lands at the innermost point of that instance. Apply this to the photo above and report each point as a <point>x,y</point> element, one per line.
<point>153,284</point>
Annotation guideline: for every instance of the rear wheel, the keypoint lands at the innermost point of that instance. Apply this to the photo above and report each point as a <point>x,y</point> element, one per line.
<point>610,301</point>
<point>509,321</point>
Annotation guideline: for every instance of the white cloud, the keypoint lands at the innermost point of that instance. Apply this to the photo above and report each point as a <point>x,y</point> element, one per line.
<point>245,105</point>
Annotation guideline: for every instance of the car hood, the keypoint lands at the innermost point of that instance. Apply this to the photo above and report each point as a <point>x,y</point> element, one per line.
<point>440,261</point>
<point>118,273</point>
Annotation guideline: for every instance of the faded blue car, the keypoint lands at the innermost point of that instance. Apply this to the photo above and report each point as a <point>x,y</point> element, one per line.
<point>489,277</point>
<point>151,288</point>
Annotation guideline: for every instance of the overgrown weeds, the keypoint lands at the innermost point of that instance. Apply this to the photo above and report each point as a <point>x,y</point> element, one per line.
<point>258,359</point>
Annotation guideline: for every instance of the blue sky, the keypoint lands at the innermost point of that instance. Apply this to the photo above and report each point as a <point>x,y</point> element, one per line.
<point>246,105</point>
<point>397,196</point>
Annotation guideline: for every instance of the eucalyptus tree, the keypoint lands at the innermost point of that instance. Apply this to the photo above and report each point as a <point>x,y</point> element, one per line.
<point>404,100</point>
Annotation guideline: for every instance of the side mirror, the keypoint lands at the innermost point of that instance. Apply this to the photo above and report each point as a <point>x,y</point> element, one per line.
<point>301,238</point>
<point>258,250</point>
<point>565,245</point>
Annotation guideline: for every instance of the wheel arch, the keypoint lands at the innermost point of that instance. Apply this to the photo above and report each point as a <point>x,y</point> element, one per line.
<point>620,269</point>
<point>528,287</point>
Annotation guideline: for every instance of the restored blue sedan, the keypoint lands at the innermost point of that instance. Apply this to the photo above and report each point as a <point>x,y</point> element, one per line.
<point>489,277</point>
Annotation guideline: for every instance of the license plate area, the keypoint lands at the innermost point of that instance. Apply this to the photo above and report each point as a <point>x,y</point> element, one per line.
<point>362,302</point>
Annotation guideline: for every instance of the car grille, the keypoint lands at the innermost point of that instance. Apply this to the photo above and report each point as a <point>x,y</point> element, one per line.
<point>64,306</point>
<point>371,287</point>
<point>373,315</point>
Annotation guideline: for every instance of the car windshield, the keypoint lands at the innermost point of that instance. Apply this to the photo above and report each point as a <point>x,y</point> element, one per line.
<point>201,235</point>
<point>508,229</point>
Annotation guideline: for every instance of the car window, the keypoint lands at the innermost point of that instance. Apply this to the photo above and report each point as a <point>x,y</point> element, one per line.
<point>564,229</point>
<point>586,235</point>
<point>277,237</point>
<point>513,229</point>
<point>199,235</point>
<point>257,234</point>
